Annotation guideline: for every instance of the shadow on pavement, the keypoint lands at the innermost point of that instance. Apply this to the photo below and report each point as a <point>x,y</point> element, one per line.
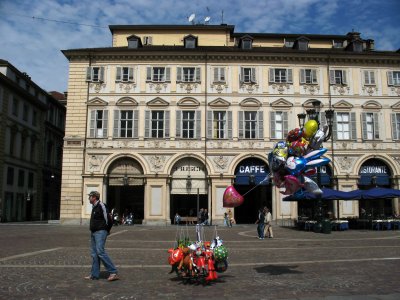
<point>277,270</point>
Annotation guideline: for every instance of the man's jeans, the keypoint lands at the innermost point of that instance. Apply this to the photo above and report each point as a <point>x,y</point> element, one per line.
<point>98,240</point>
<point>260,229</point>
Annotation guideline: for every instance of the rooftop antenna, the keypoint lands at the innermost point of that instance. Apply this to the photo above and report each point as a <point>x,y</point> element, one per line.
<point>191,18</point>
<point>207,20</point>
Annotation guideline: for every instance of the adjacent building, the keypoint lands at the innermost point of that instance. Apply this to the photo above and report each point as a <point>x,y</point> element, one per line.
<point>170,115</point>
<point>31,135</point>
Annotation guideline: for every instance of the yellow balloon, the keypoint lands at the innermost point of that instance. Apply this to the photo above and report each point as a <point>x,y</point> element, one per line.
<point>310,128</point>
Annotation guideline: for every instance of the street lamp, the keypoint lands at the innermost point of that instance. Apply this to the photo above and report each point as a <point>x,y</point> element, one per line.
<point>313,114</point>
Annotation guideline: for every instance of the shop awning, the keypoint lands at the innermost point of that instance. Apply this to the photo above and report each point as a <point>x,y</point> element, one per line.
<point>329,194</point>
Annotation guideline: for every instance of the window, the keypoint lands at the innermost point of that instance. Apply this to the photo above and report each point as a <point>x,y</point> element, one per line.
<point>251,125</point>
<point>98,123</point>
<point>188,124</point>
<point>280,75</point>
<point>337,44</point>
<point>147,40</point>
<point>247,44</point>
<point>248,75</point>
<point>337,77</point>
<point>219,124</point>
<point>133,43</point>
<point>25,112</point>
<point>21,178</point>
<point>15,105</point>
<point>157,124</point>
<point>396,126</point>
<point>308,76</point>
<point>344,126</point>
<point>369,77</point>
<point>95,74</point>
<point>289,43</point>
<point>190,42</point>
<point>10,176</point>
<point>126,123</point>
<point>370,126</point>
<point>158,74</point>
<point>188,74</point>
<point>219,74</point>
<point>393,77</point>
<point>279,124</point>
<point>124,74</point>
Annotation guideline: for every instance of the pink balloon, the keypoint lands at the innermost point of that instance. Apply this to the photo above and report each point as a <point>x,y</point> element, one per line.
<point>232,198</point>
<point>292,185</point>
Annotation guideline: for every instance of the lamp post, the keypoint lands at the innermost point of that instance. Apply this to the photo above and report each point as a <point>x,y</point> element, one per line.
<point>313,114</point>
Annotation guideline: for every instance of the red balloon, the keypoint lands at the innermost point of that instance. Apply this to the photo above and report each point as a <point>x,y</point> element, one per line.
<point>232,198</point>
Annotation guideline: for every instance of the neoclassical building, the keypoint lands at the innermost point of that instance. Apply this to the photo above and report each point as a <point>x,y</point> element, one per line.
<point>170,115</point>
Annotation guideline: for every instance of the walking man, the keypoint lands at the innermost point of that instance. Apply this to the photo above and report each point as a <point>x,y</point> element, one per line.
<point>98,237</point>
<point>267,223</point>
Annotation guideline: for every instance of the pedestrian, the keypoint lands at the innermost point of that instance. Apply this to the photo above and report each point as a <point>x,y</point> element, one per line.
<point>200,216</point>
<point>226,220</point>
<point>260,224</point>
<point>230,216</point>
<point>99,231</point>
<point>177,219</point>
<point>205,217</point>
<point>267,223</point>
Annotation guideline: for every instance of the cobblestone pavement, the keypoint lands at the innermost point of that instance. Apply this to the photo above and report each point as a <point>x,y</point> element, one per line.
<point>50,261</point>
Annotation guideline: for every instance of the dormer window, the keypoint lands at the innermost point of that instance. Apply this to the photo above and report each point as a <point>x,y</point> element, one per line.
<point>134,42</point>
<point>289,43</point>
<point>337,44</point>
<point>246,42</point>
<point>301,43</point>
<point>190,42</point>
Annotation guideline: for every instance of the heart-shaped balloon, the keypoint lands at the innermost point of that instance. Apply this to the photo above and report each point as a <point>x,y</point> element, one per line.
<point>232,198</point>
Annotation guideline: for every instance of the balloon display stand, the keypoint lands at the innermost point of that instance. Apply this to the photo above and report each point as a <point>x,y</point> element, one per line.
<point>197,262</point>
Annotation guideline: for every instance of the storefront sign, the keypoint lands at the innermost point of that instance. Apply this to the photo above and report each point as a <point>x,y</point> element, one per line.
<point>251,172</point>
<point>373,170</point>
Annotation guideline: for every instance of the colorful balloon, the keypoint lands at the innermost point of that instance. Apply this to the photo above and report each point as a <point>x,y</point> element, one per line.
<point>292,185</point>
<point>310,128</point>
<point>295,165</point>
<point>294,135</point>
<point>231,197</point>
<point>311,187</point>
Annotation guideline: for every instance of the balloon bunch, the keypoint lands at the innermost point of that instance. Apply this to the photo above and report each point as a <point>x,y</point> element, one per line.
<point>293,161</point>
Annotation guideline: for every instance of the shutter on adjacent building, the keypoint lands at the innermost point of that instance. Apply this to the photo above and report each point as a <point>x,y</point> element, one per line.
<point>89,74</point>
<point>135,123</point>
<point>130,74</point>
<point>376,126</point>
<point>105,123</point>
<point>364,125</point>
<point>147,124</point>
<point>229,124</point>
<point>334,127</point>
<point>253,75</point>
<point>272,124</point>
<point>116,123</point>
<point>271,75</point>
<point>178,123</point>
<point>285,124</point>
<point>241,117</point>
<point>198,79</point>
<point>166,124</point>
<point>260,116</point>
<point>179,74</point>
<point>92,123</point>
<point>344,77</point>
<point>102,74</point>
<point>302,76</point>
<point>118,76</point>
<point>198,124</point>
<point>148,74</point>
<point>332,76</point>
<point>290,75</point>
<point>168,74</point>
<point>353,126</point>
<point>209,124</point>
<point>390,77</point>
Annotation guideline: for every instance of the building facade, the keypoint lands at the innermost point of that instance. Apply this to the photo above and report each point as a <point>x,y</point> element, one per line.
<point>31,132</point>
<point>169,116</point>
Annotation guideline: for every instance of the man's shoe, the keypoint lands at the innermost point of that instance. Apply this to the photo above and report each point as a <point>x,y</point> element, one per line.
<point>113,277</point>
<point>90,277</point>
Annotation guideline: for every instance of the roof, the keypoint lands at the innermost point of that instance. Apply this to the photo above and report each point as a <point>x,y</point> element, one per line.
<point>171,27</point>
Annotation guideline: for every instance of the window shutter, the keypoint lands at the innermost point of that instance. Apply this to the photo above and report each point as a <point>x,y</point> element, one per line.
<point>148,74</point>
<point>105,123</point>
<point>167,74</point>
<point>241,116</point>
<point>216,74</point>
<point>289,75</point>
<point>376,126</point>
<point>302,76</point>
<point>314,76</point>
<point>147,124</point>
<point>166,124</point>
<point>394,126</point>
<point>253,75</point>
<point>390,77</point>
<point>178,123</point>
<point>364,125</point>
<point>229,125</point>
<point>344,77</point>
<point>135,123</point>
<point>89,74</point>
<point>322,119</point>
<point>271,75</point>
<point>116,122</point>
<point>198,124</point>
<point>272,123</point>
<point>198,74</point>
<point>179,74</point>
<point>260,116</point>
<point>353,126</point>
<point>209,124</point>
<point>102,74</point>
<point>334,127</point>
<point>92,123</point>
<point>332,76</point>
<point>119,71</point>
<point>285,124</point>
<point>241,76</point>
<point>366,77</point>
<point>130,74</point>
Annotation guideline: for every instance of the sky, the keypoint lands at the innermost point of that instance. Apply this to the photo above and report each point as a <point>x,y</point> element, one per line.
<point>33,32</point>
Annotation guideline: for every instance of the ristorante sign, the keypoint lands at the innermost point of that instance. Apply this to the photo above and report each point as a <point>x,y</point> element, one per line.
<point>374,170</point>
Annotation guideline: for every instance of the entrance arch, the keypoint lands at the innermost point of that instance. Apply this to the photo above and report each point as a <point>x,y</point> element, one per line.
<point>375,173</point>
<point>189,189</point>
<point>125,188</point>
<point>249,173</point>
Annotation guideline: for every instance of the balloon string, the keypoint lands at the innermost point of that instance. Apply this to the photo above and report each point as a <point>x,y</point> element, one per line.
<point>256,185</point>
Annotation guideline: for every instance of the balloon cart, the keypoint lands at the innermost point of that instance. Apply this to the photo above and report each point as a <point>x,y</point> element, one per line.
<point>197,262</point>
